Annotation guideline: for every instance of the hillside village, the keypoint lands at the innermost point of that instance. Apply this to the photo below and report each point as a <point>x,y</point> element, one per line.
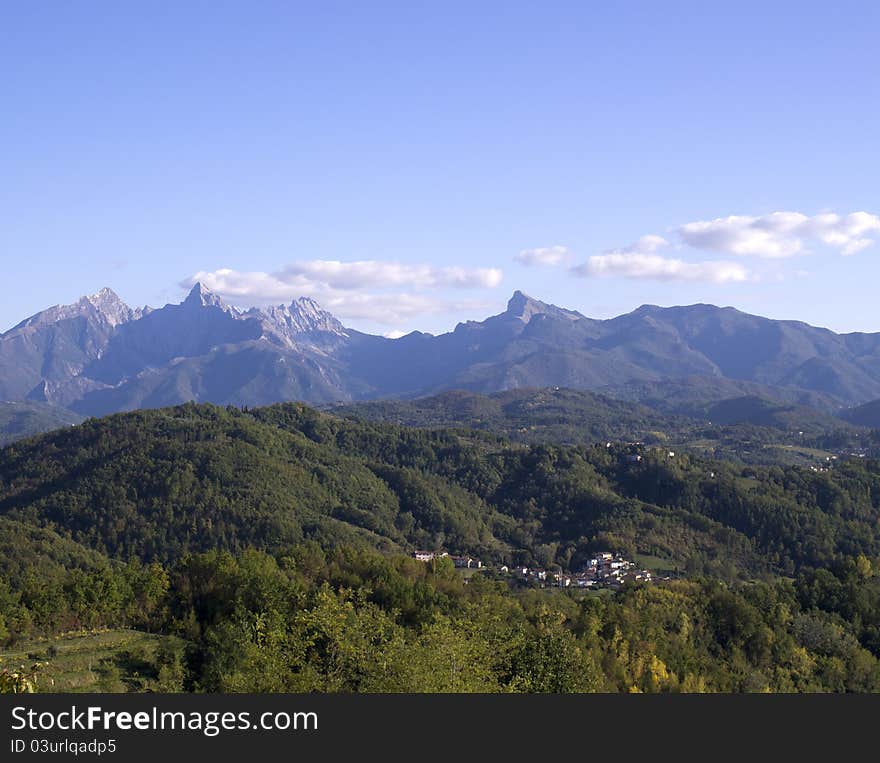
<point>604,570</point>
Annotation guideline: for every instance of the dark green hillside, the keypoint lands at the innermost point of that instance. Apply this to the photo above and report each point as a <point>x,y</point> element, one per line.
<point>748,429</point>
<point>158,484</point>
<point>564,500</point>
<point>867,415</point>
<point>524,415</point>
<point>235,550</point>
<point>761,412</point>
<point>694,395</point>
<point>566,415</point>
<point>26,547</point>
<point>24,419</point>
<point>50,584</point>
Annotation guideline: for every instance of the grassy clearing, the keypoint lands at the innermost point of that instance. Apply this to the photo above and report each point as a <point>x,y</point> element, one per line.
<point>656,563</point>
<point>802,451</point>
<point>101,661</point>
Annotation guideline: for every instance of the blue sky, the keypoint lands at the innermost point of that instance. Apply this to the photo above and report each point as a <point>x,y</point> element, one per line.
<point>411,164</point>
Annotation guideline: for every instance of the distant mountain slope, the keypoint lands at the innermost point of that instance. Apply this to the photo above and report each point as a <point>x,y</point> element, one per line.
<point>50,350</point>
<point>695,395</point>
<point>19,420</point>
<point>761,412</point>
<point>99,356</point>
<point>867,415</point>
<point>556,415</point>
<point>747,429</point>
<point>708,340</point>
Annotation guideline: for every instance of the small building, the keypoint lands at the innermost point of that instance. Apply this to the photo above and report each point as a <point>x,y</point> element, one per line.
<point>466,562</point>
<point>429,556</point>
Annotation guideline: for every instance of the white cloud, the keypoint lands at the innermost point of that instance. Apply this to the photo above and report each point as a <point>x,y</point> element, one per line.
<point>390,309</point>
<point>773,236</point>
<point>640,260</point>
<point>377,273</point>
<point>645,245</point>
<point>856,246</point>
<point>781,234</point>
<point>547,256</point>
<point>385,292</point>
<point>396,334</point>
<point>629,264</point>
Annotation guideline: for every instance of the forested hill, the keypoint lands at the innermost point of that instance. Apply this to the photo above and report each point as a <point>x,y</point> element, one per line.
<point>525,415</point>
<point>158,484</point>
<point>867,415</point>
<point>560,415</point>
<point>266,550</point>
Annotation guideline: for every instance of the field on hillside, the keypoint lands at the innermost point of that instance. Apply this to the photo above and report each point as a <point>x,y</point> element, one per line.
<point>97,661</point>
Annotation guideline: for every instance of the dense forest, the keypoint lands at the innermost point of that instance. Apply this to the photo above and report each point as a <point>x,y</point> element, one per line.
<point>745,428</point>
<point>270,549</point>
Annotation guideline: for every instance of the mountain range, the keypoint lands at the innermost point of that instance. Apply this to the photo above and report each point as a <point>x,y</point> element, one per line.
<point>100,356</point>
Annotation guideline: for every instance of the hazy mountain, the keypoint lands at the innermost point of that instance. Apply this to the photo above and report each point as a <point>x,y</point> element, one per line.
<point>695,396</point>
<point>24,419</point>
<point>532,344</point>
<point>524,415</point>
<point>99,356</point>
<point>867,415</point>
<point>711,341</point>
<point>748,429</point>
<point>206,350</point>
<point>761,412</point>
<point>49,350</point>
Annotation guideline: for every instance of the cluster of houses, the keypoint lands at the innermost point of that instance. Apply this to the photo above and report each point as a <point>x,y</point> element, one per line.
<point>607,567</point>
<point>604,569</point>
<point>633,452</point>
<point>461,562</point>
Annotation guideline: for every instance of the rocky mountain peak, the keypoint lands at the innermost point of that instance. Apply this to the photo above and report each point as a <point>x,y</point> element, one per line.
<point>524,307</point>
<point>105,305</point>
<point>108,303</point>
<point>302,316</point>
<point>201,296</point>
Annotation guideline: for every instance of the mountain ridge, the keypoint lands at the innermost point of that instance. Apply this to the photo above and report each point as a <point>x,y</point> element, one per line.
<point>100,356</point>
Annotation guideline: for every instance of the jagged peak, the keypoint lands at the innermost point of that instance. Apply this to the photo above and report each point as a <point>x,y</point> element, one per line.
<point>104,295</point>
<point>307,301</point>
<point>524,307</point>
<point>106,303</point>
<point>301,316</point>
<point>201,296</point>
<point>520,301</point>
